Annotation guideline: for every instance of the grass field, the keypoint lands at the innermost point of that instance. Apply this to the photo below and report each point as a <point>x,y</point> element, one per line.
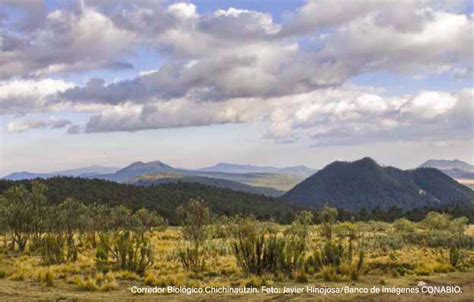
<point>24,277</point>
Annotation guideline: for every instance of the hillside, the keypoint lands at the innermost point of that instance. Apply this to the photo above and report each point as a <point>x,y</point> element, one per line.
<point>164,198</point>
<point>364,184</point>
<point>169,178</point>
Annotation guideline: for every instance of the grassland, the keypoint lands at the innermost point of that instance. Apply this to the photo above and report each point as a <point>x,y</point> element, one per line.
<point>24,277</point>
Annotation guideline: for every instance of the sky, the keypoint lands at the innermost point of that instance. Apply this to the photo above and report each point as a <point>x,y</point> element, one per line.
<point>194,83</point>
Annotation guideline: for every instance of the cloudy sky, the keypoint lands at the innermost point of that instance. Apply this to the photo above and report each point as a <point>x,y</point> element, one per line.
<point>259,82</point>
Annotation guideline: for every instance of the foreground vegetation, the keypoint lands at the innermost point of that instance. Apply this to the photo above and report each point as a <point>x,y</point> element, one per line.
<point>73,250</point>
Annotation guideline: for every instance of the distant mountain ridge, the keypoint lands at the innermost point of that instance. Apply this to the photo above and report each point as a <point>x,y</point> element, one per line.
<point>79,172</point>
<point>156,172</point>
<point>456,169</point>
<point>237,168</point>
<point>443,164</point>
<point>365,184</point>
<point>137,169</point>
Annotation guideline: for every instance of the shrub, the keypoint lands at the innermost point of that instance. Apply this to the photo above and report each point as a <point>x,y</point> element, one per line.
<point>404,225</point>
<point>337,258</point>
<point>347,230</point>
<point>327,218</point>
<point>258,253</point>
<point>52,249</point>
<point>192,257</point>
<point>455,256</point>
<point>124,250</point>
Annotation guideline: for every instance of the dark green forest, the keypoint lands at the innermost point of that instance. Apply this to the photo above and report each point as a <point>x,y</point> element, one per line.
<point>165,198</point>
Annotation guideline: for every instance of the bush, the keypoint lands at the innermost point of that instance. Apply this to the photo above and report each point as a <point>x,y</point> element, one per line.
<point>258,253</point>
<point>337,259</point>
<point>192,257</point>
<point>327,218</point>
<point>404,225</point>
<point>124,250</point>
<point>455,256</point>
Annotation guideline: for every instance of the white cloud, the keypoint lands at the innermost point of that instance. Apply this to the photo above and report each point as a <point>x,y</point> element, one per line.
<point>430,104</point>
<point>240,66</point>
<point>344,115</point>
<point>66,41</point>
<point>23,96</point>
<point>183,10</point>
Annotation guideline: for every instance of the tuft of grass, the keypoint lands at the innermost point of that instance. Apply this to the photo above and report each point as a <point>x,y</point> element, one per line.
<point>257,282</point>
<point>86,284</point>
<point>126,275</point>
<point>109,283</point>
<point>328,272</point>
<point>46,277</point>
<point>17,276</point>
<point>152,280</point>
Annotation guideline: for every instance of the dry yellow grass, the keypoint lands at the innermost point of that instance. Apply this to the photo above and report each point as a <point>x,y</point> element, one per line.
<point>25,278</point>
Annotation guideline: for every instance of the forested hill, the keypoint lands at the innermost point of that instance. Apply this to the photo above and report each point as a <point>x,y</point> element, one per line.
<point>164,198</point>
<point>364,184</point>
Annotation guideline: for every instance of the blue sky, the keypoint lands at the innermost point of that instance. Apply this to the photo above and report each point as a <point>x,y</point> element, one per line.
<point>259,82</point>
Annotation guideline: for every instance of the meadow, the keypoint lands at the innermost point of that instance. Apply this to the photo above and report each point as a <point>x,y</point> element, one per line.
<point>87,257</point>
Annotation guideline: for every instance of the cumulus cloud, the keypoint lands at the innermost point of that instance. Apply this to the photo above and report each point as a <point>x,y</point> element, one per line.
<point>346,115</point>
<point>24,96</point>
<point>353,116</point>
<point>441,44</point>
<point>240,66</point>
<point>65,41</point>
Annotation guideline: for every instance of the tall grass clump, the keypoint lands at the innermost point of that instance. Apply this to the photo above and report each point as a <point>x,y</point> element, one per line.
<point>124,250</point>
<point>259,252</point>
<point>337,261</point>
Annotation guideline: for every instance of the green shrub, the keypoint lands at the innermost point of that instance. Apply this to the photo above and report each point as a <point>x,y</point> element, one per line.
<point>455,256</point>
<point>52,249</point>
<point>337,259</point>
<point>125,250</point>
<point>192,257</point>
<point>258,252</point>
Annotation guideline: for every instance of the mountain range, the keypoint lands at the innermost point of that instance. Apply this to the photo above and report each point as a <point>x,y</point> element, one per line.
<point>302,171</point>
<point>157,172</point>
<point>443,164</point>
<point>89,171</point>
<point>461,171</point>
<point>270,181</point>
<point>364,184</point>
